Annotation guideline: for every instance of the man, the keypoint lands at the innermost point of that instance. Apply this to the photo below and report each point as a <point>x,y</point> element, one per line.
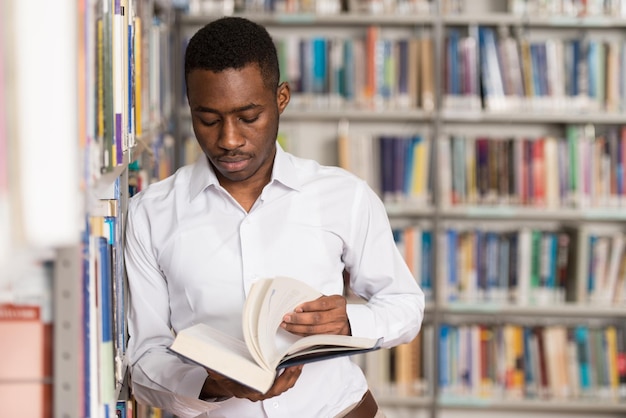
<point>197,240</point>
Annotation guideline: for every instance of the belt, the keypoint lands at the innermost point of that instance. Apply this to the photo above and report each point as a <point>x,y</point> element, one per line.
<point>366,408</point>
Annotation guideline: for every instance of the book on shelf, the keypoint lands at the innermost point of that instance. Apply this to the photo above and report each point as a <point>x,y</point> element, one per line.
<point>266,347</point>
<point>25,362</point>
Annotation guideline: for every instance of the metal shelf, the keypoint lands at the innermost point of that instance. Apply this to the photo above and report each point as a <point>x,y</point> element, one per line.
<point>311,19</point>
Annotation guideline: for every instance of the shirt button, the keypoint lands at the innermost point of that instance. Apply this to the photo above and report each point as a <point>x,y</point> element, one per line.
<point>275,405</point>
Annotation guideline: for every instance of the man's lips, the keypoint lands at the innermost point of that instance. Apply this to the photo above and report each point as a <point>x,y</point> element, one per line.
<point>233,163</point>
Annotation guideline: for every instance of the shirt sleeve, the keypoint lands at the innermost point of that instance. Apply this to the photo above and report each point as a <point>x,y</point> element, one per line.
<point>378,273</point>
<point>159,378</point>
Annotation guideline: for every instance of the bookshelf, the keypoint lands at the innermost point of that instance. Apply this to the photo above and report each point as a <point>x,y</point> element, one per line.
<point>503,215</point>
<point>82,125</point>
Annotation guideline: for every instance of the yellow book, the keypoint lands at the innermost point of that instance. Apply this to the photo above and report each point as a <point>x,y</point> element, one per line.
<point>611,354</point>
<point>427,74</point>
<point>527,70</point>
<point>420,170</point>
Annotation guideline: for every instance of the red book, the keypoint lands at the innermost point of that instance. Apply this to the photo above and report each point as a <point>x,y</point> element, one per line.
<point>539,173</point>
<point>25,363</point>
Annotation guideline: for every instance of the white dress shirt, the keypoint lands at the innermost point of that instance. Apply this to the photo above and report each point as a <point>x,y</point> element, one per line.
<point>192,253</point>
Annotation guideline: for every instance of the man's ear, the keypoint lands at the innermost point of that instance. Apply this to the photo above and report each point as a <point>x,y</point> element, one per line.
<point>283,95</point>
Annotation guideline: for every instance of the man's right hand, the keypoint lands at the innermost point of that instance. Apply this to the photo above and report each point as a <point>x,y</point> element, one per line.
<point>217,385</point>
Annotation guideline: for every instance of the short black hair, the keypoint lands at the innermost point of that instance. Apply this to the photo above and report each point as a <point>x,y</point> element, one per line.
<point>233,42</point>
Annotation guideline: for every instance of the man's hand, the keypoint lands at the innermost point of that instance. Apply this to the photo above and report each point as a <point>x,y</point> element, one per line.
<point>324,315</point>
<point>217,385</point>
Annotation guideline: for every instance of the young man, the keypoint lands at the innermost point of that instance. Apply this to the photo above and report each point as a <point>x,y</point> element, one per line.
<point>197,240</point>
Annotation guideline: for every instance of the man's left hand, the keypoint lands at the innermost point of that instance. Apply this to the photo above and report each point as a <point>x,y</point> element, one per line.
<point>324,315</point>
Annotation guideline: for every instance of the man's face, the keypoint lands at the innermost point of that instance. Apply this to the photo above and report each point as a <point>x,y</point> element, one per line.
<point>235,120</point>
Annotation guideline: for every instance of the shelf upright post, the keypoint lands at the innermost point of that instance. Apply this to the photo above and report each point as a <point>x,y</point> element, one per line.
<point>436,132</point>
<point>67,393</point>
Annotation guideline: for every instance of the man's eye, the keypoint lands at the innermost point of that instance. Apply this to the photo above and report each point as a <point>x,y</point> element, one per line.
<point>249,120</point>
<point>208,122</point>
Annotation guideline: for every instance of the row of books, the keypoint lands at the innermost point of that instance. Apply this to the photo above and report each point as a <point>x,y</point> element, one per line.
<point>133,409</point>
<point>568,8</point>
<point>321,7</point>
<point>505,361</point>
<point>603,266</point>
<point>129,57</point>
<point>104,298</point>
<point>126,56</point>
<point>523,266</point>
<point>396,166</point>
<point>481,70</point>
<point>404,370</point>
<point>582,169</point>
<point>370,71</point>
<point>555,8</point>
<point>531,266</point>
<point>416,244</point>
<point>582,74</point>
<point>515,361</point>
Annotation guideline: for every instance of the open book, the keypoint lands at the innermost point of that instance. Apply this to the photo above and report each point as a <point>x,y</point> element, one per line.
<point>266,347</point>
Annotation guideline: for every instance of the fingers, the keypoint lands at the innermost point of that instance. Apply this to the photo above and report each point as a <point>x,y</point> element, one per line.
<point>285,381</point>
<point>325,315</point>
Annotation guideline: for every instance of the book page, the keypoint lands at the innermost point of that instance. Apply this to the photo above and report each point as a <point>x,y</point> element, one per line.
<point>252,309</point>
<point>308,350</point>
<point>281,296</point>
<point>224,354</point>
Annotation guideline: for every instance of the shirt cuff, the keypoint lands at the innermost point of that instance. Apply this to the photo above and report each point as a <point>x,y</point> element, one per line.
<point>191,385</point>
<point>361,319</point>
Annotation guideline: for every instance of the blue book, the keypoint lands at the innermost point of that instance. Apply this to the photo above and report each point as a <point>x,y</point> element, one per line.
<point>491,74</point>
<point>536,68</point>
<point>591,281</point>
<point>504,261</point>
<point>120,411</point>
<point>530,380</point>
<point>581,337</point>
<point>593,69</point>
<point>320,66</point>
<point>105,306</point>
<point>491,260</point>
<point>400,145</point>
<point>453,278</point>
<point>403,66</point>
<point>543,68</point>
<point>88,332</point>
<point>575,67</point>
<point>444,356</point>
<point>427,264</point>
<point>453,74</point>
<point>409,163</point>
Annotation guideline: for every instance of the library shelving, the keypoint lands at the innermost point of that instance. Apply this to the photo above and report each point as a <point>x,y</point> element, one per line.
<point>500,159</point>
<point>84,119</point>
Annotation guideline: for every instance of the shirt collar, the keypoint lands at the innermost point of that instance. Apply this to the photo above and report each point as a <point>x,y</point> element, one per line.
<point>284,172</point>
